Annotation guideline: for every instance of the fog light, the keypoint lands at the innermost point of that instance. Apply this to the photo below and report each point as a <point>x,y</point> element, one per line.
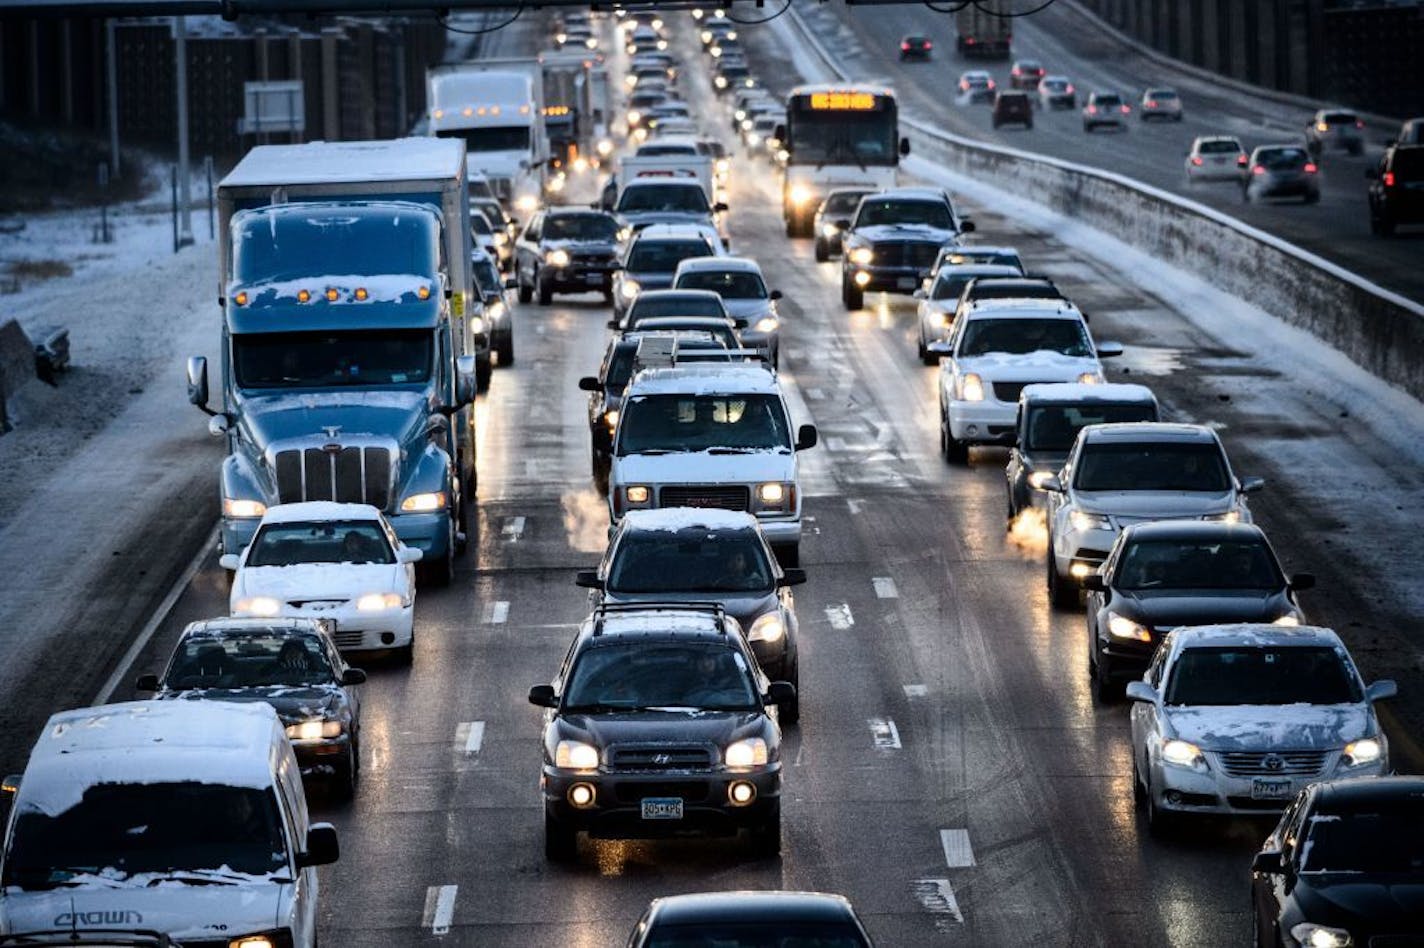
<point>581,795</point>
<point>741,792</point>
<point>1079,570</point>
<point>861,278</point>
<point>1174,798</point>
<point>388,638</point>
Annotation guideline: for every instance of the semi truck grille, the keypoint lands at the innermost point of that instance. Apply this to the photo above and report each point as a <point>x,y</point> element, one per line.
<point>660,758</point>
<point>722,497</point>
<point>905,253</point>
<point>352,475</point>
<point>1273,764</point>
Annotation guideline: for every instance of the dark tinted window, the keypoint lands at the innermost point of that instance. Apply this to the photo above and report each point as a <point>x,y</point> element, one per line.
<point>655,307</point>
<point>1183,564</point>
<point>686,198</point>
<point>657,151</point>
<point>1340,118</point>
<point>332,360</point>
<point>663,675</point>
<point>728,284</point>
<point>690,560</point>
<point>1161,466</point>
<point>326,541</point>
<point>1219,148</point>
<point>756,934</point>
<point>663,256</point>
<point>678,423</point>
<point>1282,159</point>
<point>1408,162</point>
<point>579,227</point>
<point>247,661</point>
<point>843,202</point>
<point>1383,836</point>
<point>504,138</point>
<point>1107,101</point>
<point>1233,675</point>
<point>929,213</point>
<point>1055,427</point>
<point>1022,336</point>
<point>1016,290</point>
<point>480,225</point>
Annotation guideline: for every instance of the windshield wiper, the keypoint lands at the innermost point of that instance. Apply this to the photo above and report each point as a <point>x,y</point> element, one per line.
<point>202,877</point>
<point>724,449</point>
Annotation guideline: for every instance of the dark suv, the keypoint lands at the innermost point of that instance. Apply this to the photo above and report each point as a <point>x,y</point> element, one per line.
<point>564,250</point>
<point>1397,189</point>
<point>893,240</point>
<point>658,726</point>
<point>1013,107</point>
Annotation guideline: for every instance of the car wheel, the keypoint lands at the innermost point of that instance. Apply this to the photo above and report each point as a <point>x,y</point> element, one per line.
<point>766,836</point>
<point>440,572</point>
<point>343,782</point>
<point>484,369</point>
<point>405,655</point>
<point>607,297</point>
<point>1109,690</point>
<point>853,296</point>
<point>546,293</point>
<point>954,450</point>
<point>526,293</point>
<point>1063,593</point>
<point>601,466</point>
<point>560,841</point>
<point>822,254</point>
<point>505,350</point>
<point>1139,795</point>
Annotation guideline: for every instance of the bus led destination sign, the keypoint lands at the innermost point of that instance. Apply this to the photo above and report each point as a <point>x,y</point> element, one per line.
<point>843,101</point>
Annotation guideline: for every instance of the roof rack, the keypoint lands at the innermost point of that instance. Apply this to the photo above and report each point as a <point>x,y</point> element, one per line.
<point>711,608</point>
<point>662,351</point>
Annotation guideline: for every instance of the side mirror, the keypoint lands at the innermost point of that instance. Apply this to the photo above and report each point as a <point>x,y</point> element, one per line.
<point>588,579</point>
<point>543,696</point>
<point>774,295</point>
<point>198,383</point>
<point>1381,690</point>
<point>966,227</point>
<point>806,437</point>
<point>1302,581</point>
<point>408,554</point>
<point>719,208</point>
<point>1095,582</point>
<point>11,784</point>
<point>792,576</point>
<point>842,224</point>
<point>1108,350</point>
<point>941,347</point>
<point>146,683</point>
<point>322,846</point>
<point>780,693</point>
<point>229,560</point>
<point>1250,485</point>
<point>920,295</point>
<point>904,147</point>
<point>739,323</point>
<point>614,324</point>
<point>590,383</point>
<point>1270,862</point>
<point>353,676</point>
<point>1052,484</point>
<point>1141,691</point>
<point>465,381</point>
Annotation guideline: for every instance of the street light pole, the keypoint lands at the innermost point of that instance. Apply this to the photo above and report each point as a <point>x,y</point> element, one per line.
<point>112,49</point>
<point>185,209</point>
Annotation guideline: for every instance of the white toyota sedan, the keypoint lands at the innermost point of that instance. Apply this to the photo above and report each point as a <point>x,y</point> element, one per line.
<point>325,560</point>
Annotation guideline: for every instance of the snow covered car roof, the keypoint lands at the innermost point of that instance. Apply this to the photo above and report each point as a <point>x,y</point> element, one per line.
<point>718,264</point>
<point>320,510</point>
<point>659,621</point>
<point>1075,392</point>
<point>674,519</point>
<point>401,159</point>
<point>1252,635</point>
<point>706,378</point>
<point>1148,431</point>
<point>141,742</point>
<point>1023,308</point>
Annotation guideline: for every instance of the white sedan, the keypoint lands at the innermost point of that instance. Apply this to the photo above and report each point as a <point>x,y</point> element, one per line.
<point>325,560</point>
<point>1215,158</point>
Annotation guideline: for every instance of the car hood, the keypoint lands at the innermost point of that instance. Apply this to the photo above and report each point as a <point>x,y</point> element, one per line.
<point>1041,366</point>
<point>293,703</point>
<point>650,279</point>
<point>1377,903</point>
<point>692,727</point>
<point>1250,727</point>
<point>638,219</point>
<point>699,467</point>
<point>747,309</point>
<point>1132,505</point>
<point>171,907</point>
<point>580,246</point>
<point>398,413</point>
<point>746,608</point>
<point>308,581</point>
<point>904,232</point>
<point>1169,608</point>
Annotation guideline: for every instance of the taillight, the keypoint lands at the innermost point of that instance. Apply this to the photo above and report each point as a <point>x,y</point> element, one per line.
<point>1359,123</point>
<point>1092,110</point>
<point>1151,103</point>
<point>1388,179</point>
<point>1126,109</point>
<point>1068,90</point>
<point>929,45</point>
<point>1196,161</point>
<point>1259,169</point>
<point>904,47</point>
<point>991,83</point>
<point>1310,167</point>
<point>1241,160</point>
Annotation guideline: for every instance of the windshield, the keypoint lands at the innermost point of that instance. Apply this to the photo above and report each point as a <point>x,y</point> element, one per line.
<point>678,423</point>
<point>508,138</point>
<point>663,256</point>
<point>1219,148</point>
<point>1160,466</point>
<point>929,213</point>
<point>696,559</point>
<point>248,661</point>
<point>480,225</point>
<point>580,227</point>
<point>842,137</point>
<point>843,203</point>
<point>686,198</point>
<point>492,211</point>
<point>663,675</point>
<point>1375,836</point>
<point>1235,675</point>
<point>786,934</point>
<point>1188,564</point>
<point>332,359</point>
<point>322,541</point>
<point>273,247</point>
<point>126,829</point>
<point>487,277</point>
<point>728,284</point>
<point>1056,427</point>
<point>1022,336</point>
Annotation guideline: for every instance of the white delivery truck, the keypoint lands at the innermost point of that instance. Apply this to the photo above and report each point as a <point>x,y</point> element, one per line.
<point>496,106</point>
<point>667,166</point>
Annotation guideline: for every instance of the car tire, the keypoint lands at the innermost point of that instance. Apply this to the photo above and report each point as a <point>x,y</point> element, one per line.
<point>1109,690</point>
<point>766,836</point>
<point>484,370</point>
<point>852,296</point>
<point>1062,593</point>
<point>601,467</point>
<point>343,783</point>
<point>505,350</point>
<point>439,573</point>
<point>405,655</point>
<point>955,451</point>
<point>546,293</point>
<point>560,840</point>
<point>526,293</point>
<point>1139,793</point>
<point>822,254</point>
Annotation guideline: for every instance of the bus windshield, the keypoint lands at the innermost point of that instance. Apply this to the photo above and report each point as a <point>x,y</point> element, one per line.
<point>843,137</point>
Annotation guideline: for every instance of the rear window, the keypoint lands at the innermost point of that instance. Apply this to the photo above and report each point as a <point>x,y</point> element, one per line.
<point>1108,100</point>
<point>1055,427</point>
<point>656,307</point>
<point>1161,94</point>
<point>1408,161</point>
<point>1153,465</point>
<point>1281,159</point>
<point>1339,118</point>
<point>1219,148</point>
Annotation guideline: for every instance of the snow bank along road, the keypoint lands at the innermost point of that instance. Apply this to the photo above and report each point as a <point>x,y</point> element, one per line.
<point>1001,811</point>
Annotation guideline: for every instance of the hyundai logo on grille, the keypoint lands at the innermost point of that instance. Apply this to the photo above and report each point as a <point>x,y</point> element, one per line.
<point>1273,762</point>
<point>662,759</point>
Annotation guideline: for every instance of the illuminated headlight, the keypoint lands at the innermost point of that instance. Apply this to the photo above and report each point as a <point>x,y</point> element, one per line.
<point>731,34</point>
<point>630,81</point>
<point>747,753</point>
<point>1286,620</point>
<point>1121,627</point>
<point>1231,516</point>
<point>555,185</point>
<point>662,44</point>
<point>1090,378</point>
<point>477,324</point>
<point>767,628</point>
<point>576,755</point>
<point>497,311</point>
<point>526,203</point>
<point>773,493</point>
<point>1310,935</point>
<point>862,278</point>
<point>257,606</point>
<point>946,319</point>
<point>610,418</point>
<point>767,324</point>
<point>424,503</point>
<point>604,147</point>
<point>1182,754</point>
<point>243,508</point>
<point>800,194</point>
<point>557,258</point>
<point>591,42</point>
<point>1089,521</point>
<point>861,256</point>
<point>829,230</point>
<point>314,730</point>
<point>634,117</point>
<point>747,125</point>
<point>259,941</point>
<point>1037,479</point>
<point>1359,753</point>
<point>561,38</point>
<point>971,388</point>
<point>739,115</point>
<point>379,602</point>
<point>630,289</point>
<point>638,494</point>
<point>657,25</point>
<point>753,139</point>
<point>723,165</point>
<point>501,239</point>
<point>580,164</point>
<point>706,36</point>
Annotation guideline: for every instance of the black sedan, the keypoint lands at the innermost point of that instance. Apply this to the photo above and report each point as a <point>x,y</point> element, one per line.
<point>915,47</point>
<point>291,664</point>
<point>749,920</point>
<point>1280,171</point>
<point>1344,867</point>
<point>1164,574</point>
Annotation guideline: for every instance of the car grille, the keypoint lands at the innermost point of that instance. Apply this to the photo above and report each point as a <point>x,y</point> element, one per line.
<point>591,259</point>
<point>655,758</point>
<point>722,497</point>
<point>905,253</point>
<point>691,791</point>
<point>348,638</point>
<point>355,475</point>
<point>1009,391</point>
<point>1274,763</point>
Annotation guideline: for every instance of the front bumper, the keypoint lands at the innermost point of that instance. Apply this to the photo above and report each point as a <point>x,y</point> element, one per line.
<point>577,279</point>
<point>616,812</point>
<point>1211,791</point>
<point>781,532</point>
<point>904,280</point>
<point>362,631</point>
<point>983,422</point>
<point>1086,549</point>
<point>323,758</point>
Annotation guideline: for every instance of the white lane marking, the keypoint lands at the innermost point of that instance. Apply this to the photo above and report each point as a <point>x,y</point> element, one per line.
<point>815,394</point>
<point>513,528</point>
<point>854,506</point>
<point>840,616</point>
<point>958,854</point>
<point>496,612</point>
<point>936,896</point>
<point>439,909</point>
<point>885,587</point>
<point>916,691</point>
<point>885,733</point>
<point>470,737</point>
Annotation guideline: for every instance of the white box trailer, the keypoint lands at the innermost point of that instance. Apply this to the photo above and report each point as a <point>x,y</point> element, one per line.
<point>496,106</point>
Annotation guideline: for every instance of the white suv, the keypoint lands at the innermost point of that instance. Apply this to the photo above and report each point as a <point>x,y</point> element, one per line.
<point>711,435</point>
<point>994,349</point>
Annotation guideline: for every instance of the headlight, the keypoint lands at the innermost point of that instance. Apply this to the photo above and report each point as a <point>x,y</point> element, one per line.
<point>747,124</point>
<point>773,493</point>
<point>424,503</point>
<point>740,114</point>
<point>1182,754</point>
<point>1037,479</point>
<point>496,311</point>
<point>1089,378</point>
<point>1359,753</point>
<point>723,165</point>
<point>610,418</point>
<point>243,508</point>
<point>720,82</point>
<point>477,324</point>
<point>639,494</point>
<point>500,240</point>
<point>630,81</point>
<point>576,755</point>
<point>766,324</point>
<point>705,36</point>
<point>1121,627</point>
<point>379,602</point>
<point>314,730</point>
<point>1231,516</point>
<point>526,203</point>
<point>272,940</point>
<point>557,258</point>
<point>1089,521</point>
<point>634,117</point>
<point>753,139</point>
<point>971,388</point>
<point>1288,619</point>
<point>767,628</point>
<point>747,753</point>
<point>829,230</point>
<point>257,606</point>
<point>946,319</point>
<point>1310,935</point>
<point>630,289</point>
<point>604,147</point>
<point>861,256</point>
<point>555,185</point>
<point>800,194</point>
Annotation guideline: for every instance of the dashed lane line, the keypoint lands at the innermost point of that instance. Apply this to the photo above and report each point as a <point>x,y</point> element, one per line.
<point>513,528</point>
<point>936,896</point>
<point>958,854</point>
<point>439,912</point>
<point>885,587</point>
<point>496,612</point>
<point>916,691</point>
<point>840,616</point>
<point>470,737</point>
<point>885,734</point>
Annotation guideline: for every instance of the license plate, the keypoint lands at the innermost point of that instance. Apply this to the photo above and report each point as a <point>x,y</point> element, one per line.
<point>593,279</point>
<point>1271,790</point>
<point>662,808</point>
<point>907,283</point>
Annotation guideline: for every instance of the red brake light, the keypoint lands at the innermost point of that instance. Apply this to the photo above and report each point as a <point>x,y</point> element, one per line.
<point>1092,110</point>
<point>1388,179</point>
<point>969,41</point>
<point>904,46</point>
<point>991,83</point>
<point>1196,160</point>
<point>1241,159</point>
<point>1152,103</point>
<point>929,45</point>
<point>1310,167</point>
<point>1359,123</point>
<point>1126,108</point>
<point>1259,169</point>
<point>1014,71</point>
<point>1069,89</point>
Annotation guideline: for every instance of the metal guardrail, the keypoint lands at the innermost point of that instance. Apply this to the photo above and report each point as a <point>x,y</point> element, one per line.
<point>1379,330</point>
